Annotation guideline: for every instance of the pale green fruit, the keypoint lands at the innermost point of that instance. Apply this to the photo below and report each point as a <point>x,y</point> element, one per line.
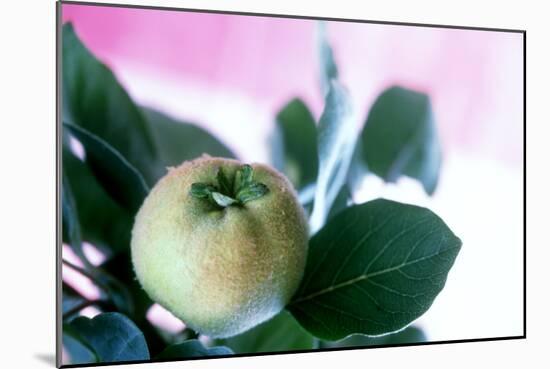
<point>222,270</point>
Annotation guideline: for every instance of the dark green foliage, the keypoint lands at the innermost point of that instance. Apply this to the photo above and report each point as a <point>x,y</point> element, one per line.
<point>79,350</point>
<point>177,141</point>
<point>298,139</point>
<point>111,336</point>
<point>117,176</point>
<point>400,138</point>
<point>373,269</point>
<point>103,222</point>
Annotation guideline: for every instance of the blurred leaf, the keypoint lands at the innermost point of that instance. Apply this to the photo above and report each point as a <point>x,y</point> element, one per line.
<point>340,203</point>
<point>373,269</point>
<point>336,145</point>
<point>400,138</point>
<point>103,222</point>
<point>329,70</point>
<point>70,302</point>
<point>281,333</point>
<point>112,336</point>
<point>79,351</point>
<point>117,176</point>
<point>70,299</point>
<point>192,348</point>
<point>298,140</point>
<point>95,100</point>
<point>178,141</point>
<point>121,268</point>
<point>357,169</point>
<point>116,291</point>
<point>408,335</point>
<point>70,226</point>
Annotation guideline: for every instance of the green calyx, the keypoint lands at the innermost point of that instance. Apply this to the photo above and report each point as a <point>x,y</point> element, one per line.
<point>226,193</point>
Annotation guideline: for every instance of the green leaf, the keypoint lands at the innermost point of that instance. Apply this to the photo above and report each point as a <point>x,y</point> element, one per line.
<point>70,299</point>
<point>400,138</point>
<point>117,176</point>
<point>112,288</point>
<point>202,190</point>
<point>329,70</point>
<point>253,191</point>
<point>177,141</point>
<point>79,351</point>
<point>95,100</point>
<point>222,200</point>
<point>112,336</point>
<point>408,335</point>
<point>373,269</point>
<point>243,178</point>
<point>70,224</point>
<point>298,140</point>
<point>103,222</point>
<point>336,145</point>
<point>281,333</point>
<point>192,348</point>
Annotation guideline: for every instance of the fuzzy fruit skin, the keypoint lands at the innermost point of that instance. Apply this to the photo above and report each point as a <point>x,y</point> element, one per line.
<point>222,271</point>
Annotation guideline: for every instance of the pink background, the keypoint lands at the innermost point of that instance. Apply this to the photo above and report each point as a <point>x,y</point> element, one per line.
<point>473,77</point>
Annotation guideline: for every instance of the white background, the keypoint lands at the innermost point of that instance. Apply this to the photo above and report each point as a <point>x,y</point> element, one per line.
<point>27,75</point>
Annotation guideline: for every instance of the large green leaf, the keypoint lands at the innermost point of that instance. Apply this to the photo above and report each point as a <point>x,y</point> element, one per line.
<point>281,333</point>
<point>298,143</point>
<point>400,138</point>
<point>117,176</point>
<point>112,336</point>
<point>373,269</point>
<point>103,222</point>
<point>406,336</point>
<point>178,141</point>
<point>336,140</point>
<point>80,352</point>
<point>94,99</point>
<point>192,348</point>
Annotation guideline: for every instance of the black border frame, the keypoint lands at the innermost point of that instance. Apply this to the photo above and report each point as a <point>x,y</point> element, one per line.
<point>58,110</point>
